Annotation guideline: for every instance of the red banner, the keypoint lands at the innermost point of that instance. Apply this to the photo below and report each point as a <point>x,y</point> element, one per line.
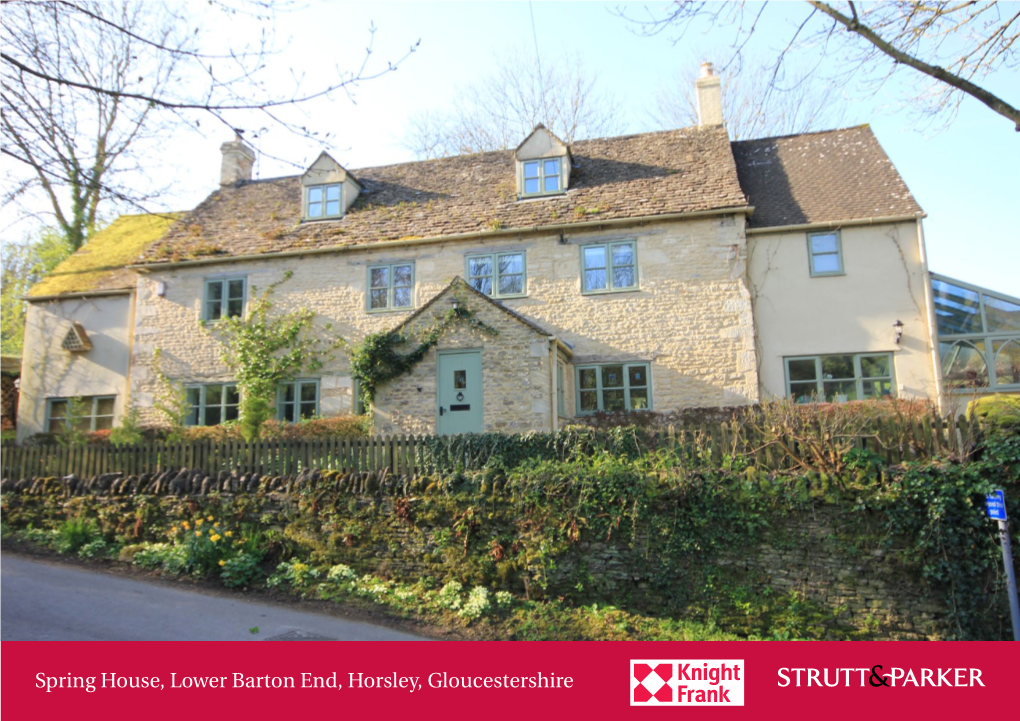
<point>507,680</point>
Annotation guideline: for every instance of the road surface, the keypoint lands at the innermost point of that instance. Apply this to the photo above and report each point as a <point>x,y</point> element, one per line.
<point>42,601</point>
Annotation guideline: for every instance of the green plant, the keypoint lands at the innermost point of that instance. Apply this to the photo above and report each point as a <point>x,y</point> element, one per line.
<point>241,571</point>
<point>293,573</point>
<point>97,548</point>
<point>206,545</point>
<point>74,533</point>
<point>129,431</point>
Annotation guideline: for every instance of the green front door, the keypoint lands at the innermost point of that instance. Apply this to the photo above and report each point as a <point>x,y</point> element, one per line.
<point>459,392</point>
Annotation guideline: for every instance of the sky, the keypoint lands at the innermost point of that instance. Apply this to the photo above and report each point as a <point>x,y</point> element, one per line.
<point>965,176</point>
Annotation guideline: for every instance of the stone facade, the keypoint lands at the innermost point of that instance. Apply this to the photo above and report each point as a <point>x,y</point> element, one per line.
<point>690,319</point>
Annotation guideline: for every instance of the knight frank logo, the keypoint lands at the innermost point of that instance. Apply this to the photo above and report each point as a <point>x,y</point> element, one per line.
<point>703,682</point>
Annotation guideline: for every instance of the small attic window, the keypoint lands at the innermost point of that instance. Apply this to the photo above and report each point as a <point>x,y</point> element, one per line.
<point>542,176</point>
<point>76,340</point>
<point>543,165</point>
<point>324,201</point>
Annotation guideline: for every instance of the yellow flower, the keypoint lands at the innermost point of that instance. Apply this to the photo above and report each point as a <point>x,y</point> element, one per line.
<point>186,526</point>
<point>173,529</point>
<point>198,534</point>
<point>222,562</point>
<point>209,519</point>
<point>198,522</point>
<point>215,537</point>
<point>228,534</point>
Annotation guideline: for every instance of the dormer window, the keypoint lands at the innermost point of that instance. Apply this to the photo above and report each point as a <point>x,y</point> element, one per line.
<point>328,189</point>
<point>542,176</point>
<point>543,165</point>
<point>325,201</point>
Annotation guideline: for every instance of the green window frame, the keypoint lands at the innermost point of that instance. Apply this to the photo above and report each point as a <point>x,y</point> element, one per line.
<point>95,413</point>
<point>224,298</point>
<point>609,267</point>
<point>297,400</point>
<point>324,201</point>
<point>825,253</point>
<point>210,404</point>
<point>390,287</point>
<point>498,275</point>
<point>840,377</point>
<point>609,387</point>
<point>979,337</point>
<point>541,176</point>
<point>561,388</point>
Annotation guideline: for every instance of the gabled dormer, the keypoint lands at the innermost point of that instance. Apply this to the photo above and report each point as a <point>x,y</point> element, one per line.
<point>543,165</point>
<point>327,190</point>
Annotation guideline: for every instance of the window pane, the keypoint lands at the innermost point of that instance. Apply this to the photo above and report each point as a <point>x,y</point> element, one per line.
<point>552,184</point>
<point>552,167</point>
<point>639,399</point>
<point>595,280</point>
<point>401,275</point>
<point>826,263</point>
<point>230,413</point>
<point>588,377</point>
<point>460,379</point>
<point>213,395</point>
<point>307,410</point>
<point>212,415</point>
<point>58,409</point>
<point>963,364</point>
<point>308,392</point>
<point>104,406</point>
<point>401,297</point>
<point>802,370</point>
<point>511,263</point>
<point>531,185</point>
<point>56,426</point>
<point>595,257</point>
<point>589,401</point>
<point>235,289</point>
<point>480,266</point>
<point>623,277</point>
<point>612,376</point>
<point>1007,362</point>
<point>104,423</point>
<point>377,299</point>
<point>235,308</point>
<point>214,291</point>
<point>875,366</point>
<point>803,392</point>
<point>638,376</point>
<point>315,210</point>
<point>333,207</point>
<point>838,366</point>
<point>288,393</point>
<point>332,192</point>
<point>531,170</point>
<point>956,308</point>
<point>482,285</point>
<point>511,284</point>
<point>287,412</point>
<point>1001,315</point>
<point>314,195</point>
<point>613,400</point>
<point>840,391</point>
<point>380,277</point>
<point>824,244</point>
<point>623,255</point>
<point>877,389</point>
<point>83,424</point>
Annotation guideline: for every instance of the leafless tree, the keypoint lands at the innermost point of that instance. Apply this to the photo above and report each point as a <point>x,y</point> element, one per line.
<point>796,103</point>
<point>498,112</point>
<point>955,46</point>
<point>86,84</point>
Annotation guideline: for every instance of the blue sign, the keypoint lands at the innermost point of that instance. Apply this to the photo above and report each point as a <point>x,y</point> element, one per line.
<point>995,503</point>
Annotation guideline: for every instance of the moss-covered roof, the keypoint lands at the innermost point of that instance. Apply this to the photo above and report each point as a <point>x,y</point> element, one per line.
<point>102,263</point>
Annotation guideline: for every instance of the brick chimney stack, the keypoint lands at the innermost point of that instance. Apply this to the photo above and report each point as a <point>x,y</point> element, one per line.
<point>238,159</point>
<point>709,92</point>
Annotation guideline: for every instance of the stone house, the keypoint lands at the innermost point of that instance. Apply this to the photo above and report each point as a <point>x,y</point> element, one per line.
<point>659,271</point>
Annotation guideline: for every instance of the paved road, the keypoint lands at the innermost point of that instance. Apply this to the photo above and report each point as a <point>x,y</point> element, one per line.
<point>42,601</point>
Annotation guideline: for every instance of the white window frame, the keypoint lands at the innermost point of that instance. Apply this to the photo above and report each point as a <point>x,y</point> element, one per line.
<point>324,187</point>
<point>202,407</point>
<point>600,389</point>
<point>812,254</point>
<point>389,288</point>
<point>297,384</point>
<point>858,379</point>
<point>524,177</point>
<point>93,413</point>
<point>224,283</point>
<point>610,286</point>
<point>494,276</point>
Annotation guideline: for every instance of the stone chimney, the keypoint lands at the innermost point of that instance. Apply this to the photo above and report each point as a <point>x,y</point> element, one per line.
<point>709,92</point>
<point>238,159</point>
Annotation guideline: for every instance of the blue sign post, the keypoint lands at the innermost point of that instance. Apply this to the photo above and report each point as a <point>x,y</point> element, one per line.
<point>995,505</point>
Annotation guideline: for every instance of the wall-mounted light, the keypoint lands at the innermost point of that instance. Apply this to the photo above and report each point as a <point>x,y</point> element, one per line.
<point>897,328</point>
<point>161,288</point>
<point>456,302</point>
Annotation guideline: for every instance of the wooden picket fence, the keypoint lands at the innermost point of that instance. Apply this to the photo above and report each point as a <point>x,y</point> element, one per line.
<point>893,440</point>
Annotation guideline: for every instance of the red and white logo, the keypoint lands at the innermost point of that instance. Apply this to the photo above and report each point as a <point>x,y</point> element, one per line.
<point>673,682</point>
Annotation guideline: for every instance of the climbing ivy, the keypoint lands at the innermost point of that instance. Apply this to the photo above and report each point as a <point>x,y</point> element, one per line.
<point>378,358</point>
<point>264,349</point>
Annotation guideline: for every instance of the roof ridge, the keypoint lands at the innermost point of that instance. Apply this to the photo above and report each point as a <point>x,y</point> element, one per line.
<point>804,134</point>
